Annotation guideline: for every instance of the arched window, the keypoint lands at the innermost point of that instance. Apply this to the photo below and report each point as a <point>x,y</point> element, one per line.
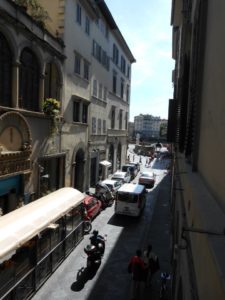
<point>52,82</point>
<point>5,73</point>
<point>29,81</point>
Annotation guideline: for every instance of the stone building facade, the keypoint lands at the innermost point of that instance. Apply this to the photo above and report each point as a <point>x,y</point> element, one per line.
<point>98,73</point>
<point>31,70</point>
<point>196,127</point>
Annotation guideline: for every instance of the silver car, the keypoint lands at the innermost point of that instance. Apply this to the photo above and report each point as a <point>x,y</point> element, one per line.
<point>114,185</point>
<point>125,177</point>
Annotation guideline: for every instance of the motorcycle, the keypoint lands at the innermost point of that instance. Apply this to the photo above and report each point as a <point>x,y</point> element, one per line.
<point>98,241</point>
<point>94,256</point>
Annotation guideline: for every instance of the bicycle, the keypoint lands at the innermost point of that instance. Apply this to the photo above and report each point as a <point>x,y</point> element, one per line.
<point>163,287</point>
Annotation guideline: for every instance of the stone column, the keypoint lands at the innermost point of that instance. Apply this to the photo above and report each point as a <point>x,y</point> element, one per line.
<point>41,91</point>
<point>15,84</point>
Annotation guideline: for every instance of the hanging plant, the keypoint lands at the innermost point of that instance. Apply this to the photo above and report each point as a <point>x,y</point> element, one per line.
<point>35,10</point>
<point>51,107</point>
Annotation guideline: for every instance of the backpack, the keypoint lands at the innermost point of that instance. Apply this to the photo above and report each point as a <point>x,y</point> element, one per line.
<point>154,264</point>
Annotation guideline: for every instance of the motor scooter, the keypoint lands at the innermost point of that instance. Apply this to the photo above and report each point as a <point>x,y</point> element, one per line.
<point>94,256</point>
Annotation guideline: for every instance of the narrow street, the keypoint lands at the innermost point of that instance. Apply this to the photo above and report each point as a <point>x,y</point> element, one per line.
<point>124,236</point>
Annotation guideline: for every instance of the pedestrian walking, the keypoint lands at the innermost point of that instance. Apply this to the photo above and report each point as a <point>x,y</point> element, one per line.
<point>151,261</point>
<point>137,268</point>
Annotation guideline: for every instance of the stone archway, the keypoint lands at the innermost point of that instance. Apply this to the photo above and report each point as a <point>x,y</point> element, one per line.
<point>79,170</point>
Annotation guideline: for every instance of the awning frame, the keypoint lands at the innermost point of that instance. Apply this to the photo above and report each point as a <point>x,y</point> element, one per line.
<point>22,224</point>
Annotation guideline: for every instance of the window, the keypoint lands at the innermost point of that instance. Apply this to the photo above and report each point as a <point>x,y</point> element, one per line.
<point>85,113</point>
<point>120,119</point>
<point>113,115</point>
<point>80,111</point>
<point>104,126</point>
<point>29,81</point>
<point>126,120</point>
<point>93,125</point>
<point>5,72</point>
<point>78,15</point>
<point>77,64</point>
<point>99,126</point>
<point>123,65</point>
<point>115,54</point>
<point>87,25</point>
<point>121,88</point>
<point>128,71</point>
<point>114,81</point>
<point>76,111</point>
<point>52,82</point>
<point>128,93</point>
<point>94,93</point>
<point>100,91</point>
<point>86,70</point>
<point>100,54</point>
<point>105,94</point>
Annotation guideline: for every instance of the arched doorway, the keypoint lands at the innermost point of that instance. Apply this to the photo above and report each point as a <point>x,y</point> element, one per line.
<point>79,170</point>
<point>118,160</point>
<point>111,155</point>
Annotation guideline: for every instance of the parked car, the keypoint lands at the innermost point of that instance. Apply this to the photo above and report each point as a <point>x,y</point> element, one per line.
<point>130,168</point>
<point>92,206</point>
<point>114,185</point>
<point>121,176</point>
<point>147,179</point>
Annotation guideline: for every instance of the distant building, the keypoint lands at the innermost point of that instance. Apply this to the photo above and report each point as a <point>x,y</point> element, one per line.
<point>147,126</point>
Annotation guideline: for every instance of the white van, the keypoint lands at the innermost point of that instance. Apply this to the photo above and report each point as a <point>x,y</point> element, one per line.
<point>130,199</point>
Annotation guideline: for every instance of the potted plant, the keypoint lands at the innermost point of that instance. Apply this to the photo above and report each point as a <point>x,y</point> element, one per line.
<point>51,106</point>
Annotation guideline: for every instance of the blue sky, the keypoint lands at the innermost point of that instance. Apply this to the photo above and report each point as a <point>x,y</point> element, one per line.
<point>147,31</point>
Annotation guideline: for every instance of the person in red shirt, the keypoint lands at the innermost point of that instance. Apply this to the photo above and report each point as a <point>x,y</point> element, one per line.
<point>137,268</point>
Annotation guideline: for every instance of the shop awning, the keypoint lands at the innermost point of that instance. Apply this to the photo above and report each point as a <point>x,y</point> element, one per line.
<point>105,163</point>
<point>20,225</point>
